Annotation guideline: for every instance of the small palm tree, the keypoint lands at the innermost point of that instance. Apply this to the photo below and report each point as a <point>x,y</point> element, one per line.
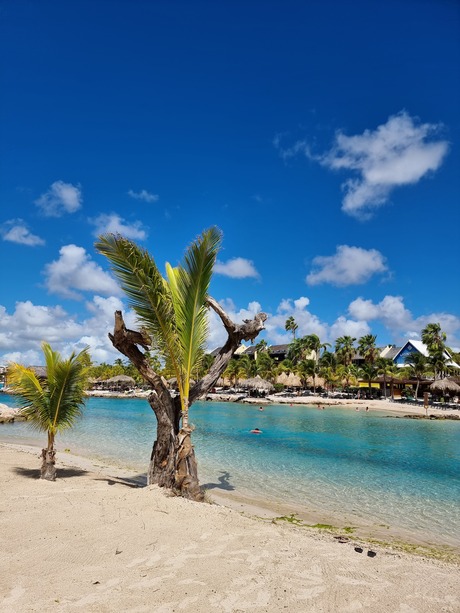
<point>54,404</point>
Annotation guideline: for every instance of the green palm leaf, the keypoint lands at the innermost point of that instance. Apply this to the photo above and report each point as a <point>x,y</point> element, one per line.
<point>54,404</point>
<point>148,293</point>
<point>189,285</point>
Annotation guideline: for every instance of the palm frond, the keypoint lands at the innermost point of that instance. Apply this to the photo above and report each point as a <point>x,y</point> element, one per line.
<point>31,396</point>
<point>189,285</point>
<point>55,403</point>
<point>148,294</point>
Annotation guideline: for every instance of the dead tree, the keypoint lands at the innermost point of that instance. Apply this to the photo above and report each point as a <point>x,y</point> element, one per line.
<point>172,463</point>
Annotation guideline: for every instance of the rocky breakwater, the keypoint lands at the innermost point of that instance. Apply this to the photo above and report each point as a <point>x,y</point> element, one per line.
<point>9,415</point>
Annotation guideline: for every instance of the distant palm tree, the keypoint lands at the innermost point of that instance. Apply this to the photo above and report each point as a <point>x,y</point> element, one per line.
<point>418,367</point>
<point>434,338</point>
<point>232,371</point>
<point>368,372</point>
<point>306,369</point>
<point>291,326</point>
<point>53,404</point>
<point>313,343</point>
<point>345,349</point>
<point>266,367</point>
<point>384,367</point>
<point>348,374</point>
<point>367,348</point>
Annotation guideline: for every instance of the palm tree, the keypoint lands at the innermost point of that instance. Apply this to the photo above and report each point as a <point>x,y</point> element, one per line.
<point>232,371</point>
<point>173,315</point>
<point>417,367</point>
<point>368,372</point>
<point>53,404</point>
<point>348,374</point>
<point>306,369</point>
<point>434,338</point>
<point>298,350</point>
<point>291,326</point>
<point>367,348</point>
<point>345,350</point>
<point>384,367</point>
<point>247,367</point>
<point>313,343</point>
<point>266,366</point>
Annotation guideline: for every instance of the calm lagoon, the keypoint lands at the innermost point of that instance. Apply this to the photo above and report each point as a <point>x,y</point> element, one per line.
<point>373,468</point>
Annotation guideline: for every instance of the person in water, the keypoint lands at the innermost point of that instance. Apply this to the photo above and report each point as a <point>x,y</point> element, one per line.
<point>256,431</point>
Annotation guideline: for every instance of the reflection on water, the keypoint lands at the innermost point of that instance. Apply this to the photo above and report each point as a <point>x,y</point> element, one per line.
<point>400,472</point>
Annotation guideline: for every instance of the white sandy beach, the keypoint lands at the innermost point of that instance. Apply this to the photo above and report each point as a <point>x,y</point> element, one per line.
<point>94,541</point>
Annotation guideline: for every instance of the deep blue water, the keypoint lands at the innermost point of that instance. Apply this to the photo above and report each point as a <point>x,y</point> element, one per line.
<point>400,472</point>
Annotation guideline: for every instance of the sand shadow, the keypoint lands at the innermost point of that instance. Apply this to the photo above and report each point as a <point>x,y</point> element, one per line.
<point>137,481</point>
<point>62,473</point>
<point>224,483</point>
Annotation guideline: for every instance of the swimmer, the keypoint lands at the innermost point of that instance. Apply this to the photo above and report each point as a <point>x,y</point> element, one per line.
<point>256,431</point>
<point>367,409</point>
<point>261,409</point>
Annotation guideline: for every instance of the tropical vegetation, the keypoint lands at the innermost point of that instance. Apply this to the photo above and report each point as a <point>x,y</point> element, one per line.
<point>53,403</point>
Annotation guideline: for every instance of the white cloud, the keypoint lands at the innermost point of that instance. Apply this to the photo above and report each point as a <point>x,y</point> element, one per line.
<point>236,268</point>
<point>397,153</point>
<point>143,195</point>
<point>22,332</point>
<point>59,199</point>
<point>348,327</point>
<point>349,266</point>
<point>75,272</point>
<point>16,231</point>
<point>399,321</point>
<point>114,224</point>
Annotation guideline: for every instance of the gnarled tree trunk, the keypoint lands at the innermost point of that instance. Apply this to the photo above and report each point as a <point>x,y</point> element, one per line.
<point>173,463</point>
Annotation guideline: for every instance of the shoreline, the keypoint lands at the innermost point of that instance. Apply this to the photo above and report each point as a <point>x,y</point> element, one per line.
<point>250,504</point>
<point>383,405</point>
<point>94,540</point>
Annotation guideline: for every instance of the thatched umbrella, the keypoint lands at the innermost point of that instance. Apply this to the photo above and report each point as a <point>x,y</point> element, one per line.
<point>257,383</point>
<point>121,379</point>
<point>290,380</point>
<point>172,383</point>
<point>445,385</point>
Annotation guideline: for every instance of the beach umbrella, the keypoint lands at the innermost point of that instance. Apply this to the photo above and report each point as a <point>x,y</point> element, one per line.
<point>444,386</point>
<point>257,383</point>
<point>290,380</point>
<point>121,379</point>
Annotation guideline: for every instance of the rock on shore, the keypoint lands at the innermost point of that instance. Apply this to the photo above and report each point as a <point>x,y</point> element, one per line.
<point>9,415</point>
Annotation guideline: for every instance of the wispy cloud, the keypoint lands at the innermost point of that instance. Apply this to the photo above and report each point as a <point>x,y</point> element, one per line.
<point>236,268</point>
<point>399,152</point>
<point>143,195</point>
<point>348,266</point>
<point>115,224</point>
<point>61,198</point>
<point>16,231</point>
<point>74,272</point>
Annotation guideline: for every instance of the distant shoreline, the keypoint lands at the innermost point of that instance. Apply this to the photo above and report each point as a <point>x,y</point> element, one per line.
<point>383,405</point>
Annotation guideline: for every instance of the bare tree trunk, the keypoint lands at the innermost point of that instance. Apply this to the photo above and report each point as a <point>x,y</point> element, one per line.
<point>48,455</point>
<point>173,463</point>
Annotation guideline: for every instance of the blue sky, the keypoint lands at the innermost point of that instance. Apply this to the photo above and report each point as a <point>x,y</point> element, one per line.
<point>321,137</point>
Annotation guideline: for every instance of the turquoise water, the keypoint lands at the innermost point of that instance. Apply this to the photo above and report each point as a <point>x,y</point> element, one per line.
<point>398,472</point>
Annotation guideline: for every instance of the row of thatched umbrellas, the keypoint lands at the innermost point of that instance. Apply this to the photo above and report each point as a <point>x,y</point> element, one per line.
<point>442,386</point>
